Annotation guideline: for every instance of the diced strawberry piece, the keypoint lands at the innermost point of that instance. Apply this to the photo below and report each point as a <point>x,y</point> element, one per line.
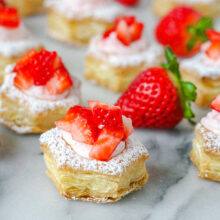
<point>79,122</point>
<point>9,17</point>
<point>25,60</point>
<point>214,50</point>
<point>60,82</point>
<point>137,29</point>
<point>216,104</point>
<point>108,33</point>
<point>128,2</point>
<point>128,127</point>
<point>107,142</point>
<point>123,33</point>
<point>213,35</point>
<point>128,19</point>
<point>23,80</point>
<point>106,115</point>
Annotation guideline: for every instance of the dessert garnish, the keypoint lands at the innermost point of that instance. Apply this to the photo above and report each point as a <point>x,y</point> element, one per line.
<point>128,2</point>
<point>158,98</point>
<point>9,17</point>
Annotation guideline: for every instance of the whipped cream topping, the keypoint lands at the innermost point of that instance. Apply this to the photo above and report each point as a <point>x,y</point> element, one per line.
<point>79,9</point>
<point>212,122</point>
<point>114,52</point>
<point>84,149</point>
<point>202,64</point>
<point>16,41</point>
<point>35,104</point>
<point>66,156</point>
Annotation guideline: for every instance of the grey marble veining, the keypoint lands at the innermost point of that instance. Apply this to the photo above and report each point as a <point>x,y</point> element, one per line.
<point>174,190</point>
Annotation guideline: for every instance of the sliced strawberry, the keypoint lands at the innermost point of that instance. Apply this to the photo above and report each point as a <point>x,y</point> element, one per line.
<point>213,35</point>
<point>23,80</point>
<point>9,17</point>
<point>128,127</point>
<point>214,50</point>
<point>215,105</point>
<point>25,60</point>
<point>108,33</point>
<point>60,82</point>
<point>123,33</point>
<point>107,142</point>
<point>128,19</point>
<point>79,122</point>
<point>128,2</point>
<point>106,115</point>
<point>137,29</point>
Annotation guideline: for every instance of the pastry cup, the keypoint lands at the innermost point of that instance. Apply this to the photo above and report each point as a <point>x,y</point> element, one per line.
<point>84,179</point>
<point>206,153</point>
<point>162,7</point>
<point>24,114</point>
<point>75,32</point>
<point>207,88</point>
<point>27,7</point>
<point>117,78</point>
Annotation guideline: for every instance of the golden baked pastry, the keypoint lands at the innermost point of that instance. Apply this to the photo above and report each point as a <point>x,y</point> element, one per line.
<point>162,7</point>
<point>75,32</point>
<point>27,7</point>
<point>91,180</point>
<point>206,153</point>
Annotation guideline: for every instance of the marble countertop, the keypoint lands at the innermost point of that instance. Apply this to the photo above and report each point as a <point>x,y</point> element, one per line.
<point>174,190</point>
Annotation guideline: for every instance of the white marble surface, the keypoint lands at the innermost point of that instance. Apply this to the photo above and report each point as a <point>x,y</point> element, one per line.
<point>174,191</point>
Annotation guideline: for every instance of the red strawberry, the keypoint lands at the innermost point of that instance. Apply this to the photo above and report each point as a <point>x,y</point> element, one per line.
<point>60,82</point>
<point>154,100</point>
<point>9,17</point>
<point>128,30</point>
<point>79,122</point>
<point>108,33</point>
<point>107,142</point>
<point>213,35</point>
<point>216,104</point>
<point>214,50</point>
<point>128,127</point>
<point>183,29</point>
<point>23,80</point>
<point>106,115</point>
<point>2,3</point>
<point>128,2</point>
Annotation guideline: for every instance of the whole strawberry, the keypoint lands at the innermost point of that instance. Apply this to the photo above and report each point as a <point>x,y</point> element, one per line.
<point>158,98</point>
<point>128,2</point>
<point>183,29</point>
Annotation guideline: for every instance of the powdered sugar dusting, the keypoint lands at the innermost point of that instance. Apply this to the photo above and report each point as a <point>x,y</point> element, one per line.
<point>210,141</point>
<point>65,156</point>
<point>37,105</point>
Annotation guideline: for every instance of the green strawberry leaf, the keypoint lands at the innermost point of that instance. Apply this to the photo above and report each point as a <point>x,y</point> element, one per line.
<point>198,32</point>
<point>186,90</point>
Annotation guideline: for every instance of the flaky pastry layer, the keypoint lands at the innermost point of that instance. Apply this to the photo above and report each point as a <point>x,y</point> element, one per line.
<point>27,7</point>
<point>162,7</point>
<point>75,32</point>
<point>207,88</point>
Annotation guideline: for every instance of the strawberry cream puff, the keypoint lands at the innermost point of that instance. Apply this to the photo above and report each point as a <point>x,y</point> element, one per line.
<point>15,39</point>
<point>91,156</point>
<point>115,58</point>
<point>204,70</point>
<point>206,145</point>
<point>76,22</point>
<point>206,7</point>
<point>27,7</point>
<point>37,91</point>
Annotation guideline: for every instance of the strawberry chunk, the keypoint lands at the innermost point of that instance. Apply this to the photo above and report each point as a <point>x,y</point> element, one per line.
<point>23,80</point>
<point>128,127</point>
<point>213,35</point>
<point>108,33</point>
<point>128,2</point>
<point>79,122</point>
<point>60,82</point>
<point>213,51</point>
<point>9,17</point>
<point>106,115</point>
<point>107,142</point>
<point>215,105</point>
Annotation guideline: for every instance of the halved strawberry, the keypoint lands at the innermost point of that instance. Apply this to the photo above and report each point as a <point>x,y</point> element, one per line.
<point>107,142</point>
<point>108,32</point>
<point>23,80</point>
<point>216,104</point>
<point>79,122</point>
<point>213,35</point>
<point>128,2</point>
<point>25,60</point>
<point>60,82</point>
<point>214,50</point>
<point>9,17</point>
<point>128,127</point>
<point>106,115</point>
